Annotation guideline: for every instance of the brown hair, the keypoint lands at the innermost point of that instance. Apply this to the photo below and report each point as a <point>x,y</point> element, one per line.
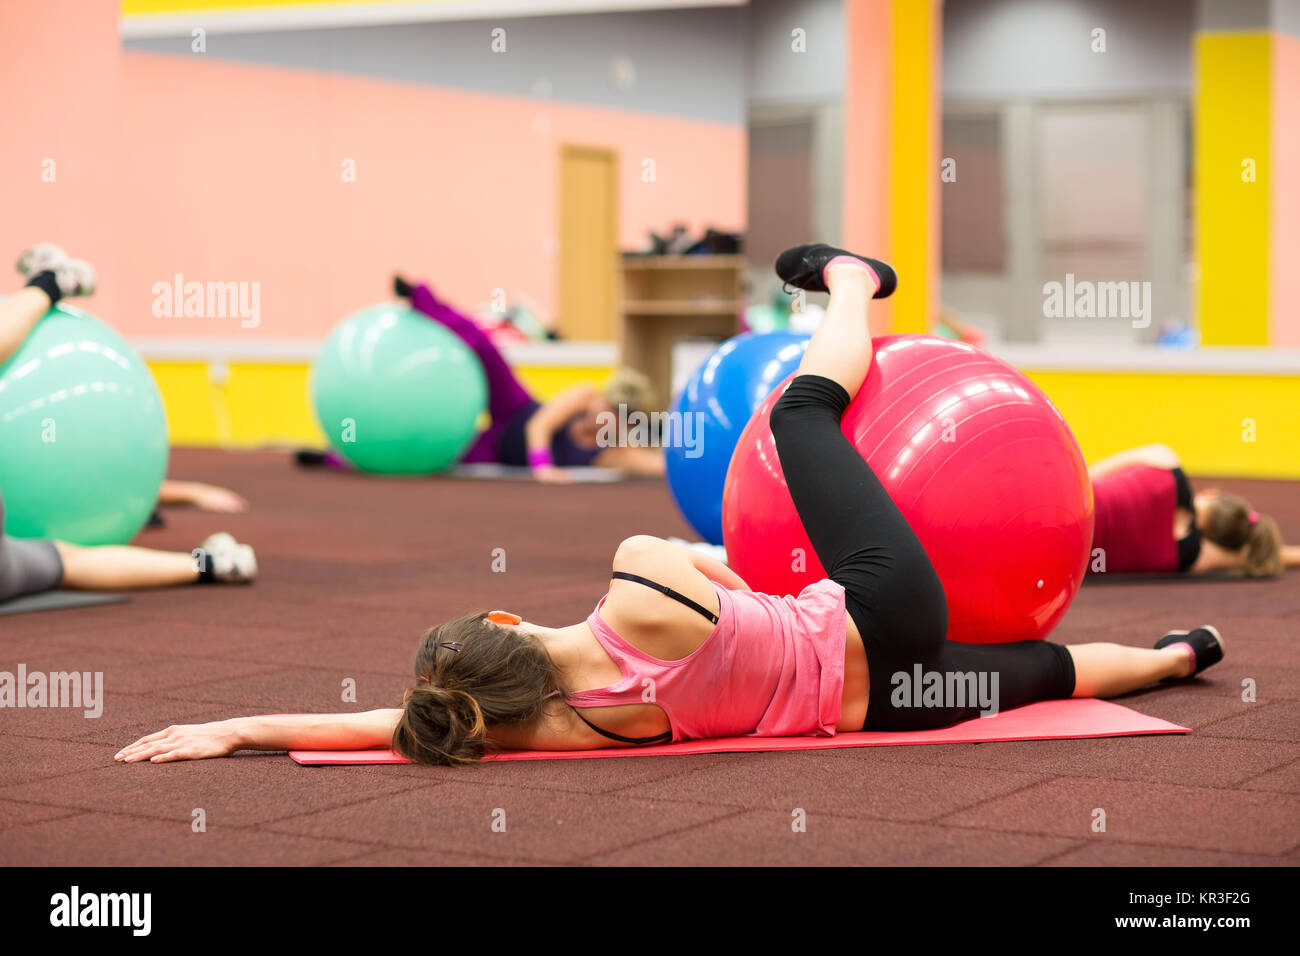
<point>472,673</point>
<point>1229,524</point>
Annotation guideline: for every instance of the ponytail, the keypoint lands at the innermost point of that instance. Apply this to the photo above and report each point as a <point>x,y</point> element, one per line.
<point>1263,557</point>
<point>1234,526</point>
<point>472,674</point>
<point>440,725</point>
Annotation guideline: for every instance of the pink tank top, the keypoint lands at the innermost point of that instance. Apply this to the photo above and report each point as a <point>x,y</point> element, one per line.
<point>1134,523</point>
<point>773,667</point>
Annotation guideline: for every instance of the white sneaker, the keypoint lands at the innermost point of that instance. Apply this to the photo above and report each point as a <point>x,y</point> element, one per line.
<point>42,257</point>
<point>232,562</point>
<point>74,276</point>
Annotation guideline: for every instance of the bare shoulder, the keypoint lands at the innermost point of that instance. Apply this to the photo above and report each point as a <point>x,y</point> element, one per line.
<point>653,621</point>
<point>663,563</point>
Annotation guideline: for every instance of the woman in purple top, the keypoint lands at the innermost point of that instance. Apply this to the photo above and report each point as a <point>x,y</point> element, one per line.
<point>548,437</point>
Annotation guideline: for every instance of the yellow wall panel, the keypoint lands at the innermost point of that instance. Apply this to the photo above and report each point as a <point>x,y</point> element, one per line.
<point>914,170</point>
<point>1232,126</point>
<point>1246,425</point>
<point>1206,418</point>
<point>262,403</point>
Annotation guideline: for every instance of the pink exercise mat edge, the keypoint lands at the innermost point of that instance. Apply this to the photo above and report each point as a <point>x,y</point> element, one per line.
<point>1045,720</point>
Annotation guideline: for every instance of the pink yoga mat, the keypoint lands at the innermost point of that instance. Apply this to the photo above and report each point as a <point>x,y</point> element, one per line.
<point>1046,720</point>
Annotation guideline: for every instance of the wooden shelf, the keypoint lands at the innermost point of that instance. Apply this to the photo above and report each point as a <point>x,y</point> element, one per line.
<point>682,307</point>
<point>667,299</point>
<point>633,261</point>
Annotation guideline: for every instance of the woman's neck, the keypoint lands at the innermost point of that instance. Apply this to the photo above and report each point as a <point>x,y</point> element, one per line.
<point>568,647</point>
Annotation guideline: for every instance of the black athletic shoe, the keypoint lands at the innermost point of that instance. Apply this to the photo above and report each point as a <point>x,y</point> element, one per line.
<point>1205,641</point>
<point>310,458</point>
<point>802,267</point>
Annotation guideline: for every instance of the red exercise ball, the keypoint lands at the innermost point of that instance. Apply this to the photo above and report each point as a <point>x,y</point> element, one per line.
<point>979,461</point>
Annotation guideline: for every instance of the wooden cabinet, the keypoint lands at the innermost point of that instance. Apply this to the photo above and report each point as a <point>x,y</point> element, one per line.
<point>665,299</point>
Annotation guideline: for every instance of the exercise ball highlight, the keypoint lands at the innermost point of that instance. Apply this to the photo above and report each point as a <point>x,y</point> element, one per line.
<point>719,399</point>
<point>979,461</point>
<point>83,434</point>
<point>396,392</point>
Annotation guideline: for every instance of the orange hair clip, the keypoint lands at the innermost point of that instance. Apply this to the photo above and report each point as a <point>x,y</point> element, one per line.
<point>504,617</point>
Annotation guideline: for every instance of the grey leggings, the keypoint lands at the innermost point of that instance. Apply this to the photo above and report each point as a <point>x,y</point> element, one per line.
<point>26,567</point>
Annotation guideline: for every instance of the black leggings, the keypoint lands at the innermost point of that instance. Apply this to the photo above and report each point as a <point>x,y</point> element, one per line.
<point>919,679</point>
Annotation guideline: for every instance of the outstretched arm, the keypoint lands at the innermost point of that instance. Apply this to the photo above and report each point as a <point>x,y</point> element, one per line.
<point>638,461</point>
<point>549,419</point>
<point>1153,456</point>
<point>369,730</point>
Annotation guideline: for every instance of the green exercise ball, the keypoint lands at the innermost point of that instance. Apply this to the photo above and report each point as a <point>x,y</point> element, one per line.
<point>396,392</point>
<point>83,434</point>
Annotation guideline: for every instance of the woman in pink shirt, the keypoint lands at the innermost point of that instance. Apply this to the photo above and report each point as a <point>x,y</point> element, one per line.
<point>681,648</point>
<point>1148,519</point>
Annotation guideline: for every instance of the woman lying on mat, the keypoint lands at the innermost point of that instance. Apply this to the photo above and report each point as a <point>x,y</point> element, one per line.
<point>31,566</point>
<point>547,437</point>
<point>1148,519</point>
<point>680,648</point>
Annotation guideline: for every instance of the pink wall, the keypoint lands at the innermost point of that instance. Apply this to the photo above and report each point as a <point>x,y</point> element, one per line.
<point>59,64</point>
<point>1284,217</point>
<point>232,172</point>
<point>868,119</point>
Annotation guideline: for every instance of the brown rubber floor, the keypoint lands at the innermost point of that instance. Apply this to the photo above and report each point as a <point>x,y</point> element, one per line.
<point>355,568</point>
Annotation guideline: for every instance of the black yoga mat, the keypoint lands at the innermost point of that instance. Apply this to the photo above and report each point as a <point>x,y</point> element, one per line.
<point>58,600</point>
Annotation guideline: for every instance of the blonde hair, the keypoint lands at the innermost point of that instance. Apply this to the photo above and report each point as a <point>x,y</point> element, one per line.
<point>629,387</point>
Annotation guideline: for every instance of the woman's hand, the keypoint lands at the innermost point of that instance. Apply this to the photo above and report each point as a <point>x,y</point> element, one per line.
<point>552,475</point>
<point>205,497</point>
<point>212,498</point>
<point>184,742</point>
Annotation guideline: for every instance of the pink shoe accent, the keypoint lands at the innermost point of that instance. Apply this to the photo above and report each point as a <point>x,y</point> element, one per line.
<point>851,260</point>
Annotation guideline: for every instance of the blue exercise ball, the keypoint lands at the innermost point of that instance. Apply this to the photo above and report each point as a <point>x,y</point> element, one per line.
<point>83,434</point>
<point>714,407</point>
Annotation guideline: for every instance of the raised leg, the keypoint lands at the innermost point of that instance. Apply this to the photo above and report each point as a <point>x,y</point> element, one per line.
<point>841,348</point>
<point>506,394</point>
<point>862,540</point>
<point>19,314</point>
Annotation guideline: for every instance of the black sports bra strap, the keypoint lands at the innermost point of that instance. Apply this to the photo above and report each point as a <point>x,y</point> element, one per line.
<point>665,737</point>
<point>682,598</point>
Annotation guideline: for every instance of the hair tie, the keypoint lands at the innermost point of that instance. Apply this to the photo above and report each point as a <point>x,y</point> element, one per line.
<point>1254,517</point>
